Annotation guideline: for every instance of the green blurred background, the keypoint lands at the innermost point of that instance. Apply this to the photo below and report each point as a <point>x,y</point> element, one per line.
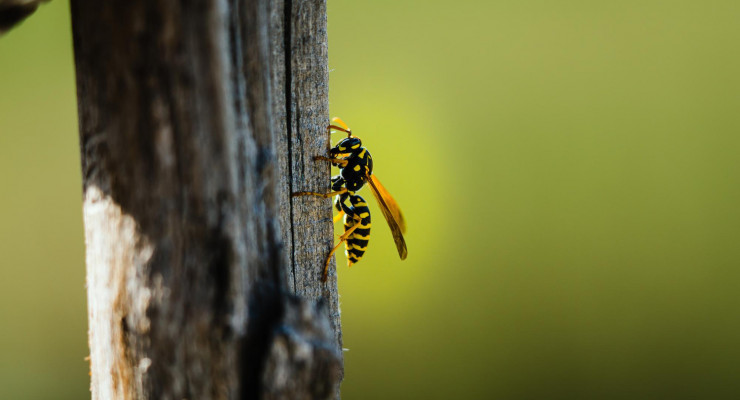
<point>570,175</point>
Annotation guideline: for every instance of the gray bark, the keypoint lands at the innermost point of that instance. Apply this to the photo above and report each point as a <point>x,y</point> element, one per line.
<point>197,120</point>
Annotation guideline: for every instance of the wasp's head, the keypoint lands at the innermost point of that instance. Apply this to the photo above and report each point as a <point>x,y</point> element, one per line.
<point>351,144</point>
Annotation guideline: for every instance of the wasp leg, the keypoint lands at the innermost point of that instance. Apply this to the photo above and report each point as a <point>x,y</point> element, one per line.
<point>336,161</point>
<point>324,195</point>
<point>342,238</point>
<point>340,206</point>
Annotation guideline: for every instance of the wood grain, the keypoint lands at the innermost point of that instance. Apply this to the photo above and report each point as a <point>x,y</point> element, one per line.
<point>300,70</point>
<point>194,290</point>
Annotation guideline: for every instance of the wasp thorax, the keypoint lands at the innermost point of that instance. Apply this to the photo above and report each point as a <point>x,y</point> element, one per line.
<point>351,144</point>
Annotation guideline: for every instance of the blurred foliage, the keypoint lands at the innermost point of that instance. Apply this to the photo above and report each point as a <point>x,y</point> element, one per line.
<point>568,170</point>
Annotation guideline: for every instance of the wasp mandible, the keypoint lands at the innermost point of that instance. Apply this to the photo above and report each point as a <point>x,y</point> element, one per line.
<point>355,169</point>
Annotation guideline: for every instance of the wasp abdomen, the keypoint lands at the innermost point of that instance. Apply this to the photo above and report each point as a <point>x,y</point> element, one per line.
<point>357,241</point>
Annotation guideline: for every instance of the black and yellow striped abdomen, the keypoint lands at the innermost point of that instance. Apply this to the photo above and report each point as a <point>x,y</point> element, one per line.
<point>358,240</point>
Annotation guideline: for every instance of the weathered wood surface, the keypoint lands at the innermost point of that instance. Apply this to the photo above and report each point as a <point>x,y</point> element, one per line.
<point>197,119</point>
<point>300,78</point>
<point>300,71</point>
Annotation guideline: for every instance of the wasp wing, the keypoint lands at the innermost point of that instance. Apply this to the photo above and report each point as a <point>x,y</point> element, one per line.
<point>390,202</point>
<point>389,212</point>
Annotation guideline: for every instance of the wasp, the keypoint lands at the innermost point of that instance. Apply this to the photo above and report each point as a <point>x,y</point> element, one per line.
<point>355,169</point>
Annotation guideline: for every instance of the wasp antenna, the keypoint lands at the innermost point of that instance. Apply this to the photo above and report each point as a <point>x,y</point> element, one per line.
<point>342,126</point>
<point>341,123</point>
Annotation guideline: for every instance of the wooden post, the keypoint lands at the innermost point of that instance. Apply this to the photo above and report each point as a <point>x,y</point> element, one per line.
<point>197,120</point>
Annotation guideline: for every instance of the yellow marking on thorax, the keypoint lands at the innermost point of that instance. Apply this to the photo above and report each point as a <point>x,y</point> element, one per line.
<point>357,168</point>
<point>365,215</point>
<point>355,146</point>
<point>362,154</point>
